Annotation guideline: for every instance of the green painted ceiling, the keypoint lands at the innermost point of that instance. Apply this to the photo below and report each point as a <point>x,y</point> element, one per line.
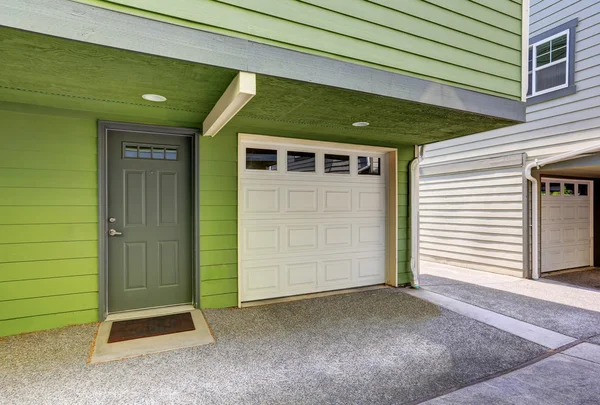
<point>63,74</point>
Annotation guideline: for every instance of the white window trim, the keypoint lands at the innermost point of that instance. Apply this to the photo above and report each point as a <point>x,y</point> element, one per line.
<point>534,67</point>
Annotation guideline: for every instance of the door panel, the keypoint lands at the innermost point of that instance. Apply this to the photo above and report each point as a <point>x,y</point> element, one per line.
<point>149,196</point>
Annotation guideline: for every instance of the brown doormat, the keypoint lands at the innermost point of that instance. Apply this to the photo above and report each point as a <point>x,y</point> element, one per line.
<point>148,327</point>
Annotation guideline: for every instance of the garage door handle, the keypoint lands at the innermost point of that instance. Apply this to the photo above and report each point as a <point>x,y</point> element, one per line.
<point>112,232</point>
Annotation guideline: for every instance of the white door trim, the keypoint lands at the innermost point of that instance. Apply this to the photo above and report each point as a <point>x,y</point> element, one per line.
<point>391,209</point>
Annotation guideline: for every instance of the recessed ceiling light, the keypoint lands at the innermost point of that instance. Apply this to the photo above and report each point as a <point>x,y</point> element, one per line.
<point>154,97</point>
<point>360,124</point>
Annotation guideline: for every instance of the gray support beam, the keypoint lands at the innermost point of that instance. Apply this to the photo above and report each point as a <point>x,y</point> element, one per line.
<point>81,22</point>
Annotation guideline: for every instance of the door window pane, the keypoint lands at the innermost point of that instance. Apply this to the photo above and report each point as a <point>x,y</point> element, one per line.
<point>158,153</point>
<point>582,189</point>
<point>261,159</point>
<point>569,189</point>
<point>337,164</point>
<point>554,188</point>
<point>171,154</point>
<point>145,152</point>
<point>543,188</point>
<point>301,162</point>
<point>131,152</point>
<point>369,165</point>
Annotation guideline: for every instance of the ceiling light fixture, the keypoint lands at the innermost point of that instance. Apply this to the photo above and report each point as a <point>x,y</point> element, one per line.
<point>157,98</point>
<point>360,124</point>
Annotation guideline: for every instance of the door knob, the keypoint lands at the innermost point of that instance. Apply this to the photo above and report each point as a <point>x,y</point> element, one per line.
<point>112,232</point>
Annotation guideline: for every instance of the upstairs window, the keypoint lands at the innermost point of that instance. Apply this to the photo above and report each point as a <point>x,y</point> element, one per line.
<point>551,64</point>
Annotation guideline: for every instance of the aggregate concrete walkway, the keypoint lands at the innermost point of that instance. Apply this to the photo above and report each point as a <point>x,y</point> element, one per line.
<point>570,377</point>
<point>374,347</point>
<point>588,278</point>
<point>565,309</point>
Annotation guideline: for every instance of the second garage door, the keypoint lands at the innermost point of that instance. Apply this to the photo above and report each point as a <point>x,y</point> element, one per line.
<point>312,218</point>
<point>566,224</point>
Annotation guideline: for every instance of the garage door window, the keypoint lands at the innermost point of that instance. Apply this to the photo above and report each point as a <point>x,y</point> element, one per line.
<point>338,164</point>
<point>368,165</point>
<point>569,189</point>
<point>261,159</point>
<point>301,162</point>
<point>564,189</point>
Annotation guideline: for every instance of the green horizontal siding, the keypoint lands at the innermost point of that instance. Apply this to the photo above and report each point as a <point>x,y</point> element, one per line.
<point>41,322</point>
<point>48,222</point>
<point>48,269</point>
<point>473,44</point>
<point>219,301</point>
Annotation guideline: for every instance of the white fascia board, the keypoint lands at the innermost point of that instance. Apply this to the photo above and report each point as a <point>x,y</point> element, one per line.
<point>238,94</point>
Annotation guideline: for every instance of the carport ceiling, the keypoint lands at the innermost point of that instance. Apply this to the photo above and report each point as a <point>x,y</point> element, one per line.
<point>53,72</point>
<point>587,166</point>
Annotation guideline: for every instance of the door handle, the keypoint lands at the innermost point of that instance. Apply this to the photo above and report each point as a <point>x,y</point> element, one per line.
<point>112,232</point>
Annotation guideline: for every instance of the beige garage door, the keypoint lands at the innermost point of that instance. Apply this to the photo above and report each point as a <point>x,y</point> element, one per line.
<point>566,224</point>
<point>312,218</point>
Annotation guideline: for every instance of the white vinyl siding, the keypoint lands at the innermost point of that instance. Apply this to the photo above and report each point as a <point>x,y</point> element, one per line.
<point>473,219</point>
<point>480,233</point>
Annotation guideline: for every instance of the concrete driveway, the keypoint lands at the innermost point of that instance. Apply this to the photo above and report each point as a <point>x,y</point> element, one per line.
<point>380,346</point>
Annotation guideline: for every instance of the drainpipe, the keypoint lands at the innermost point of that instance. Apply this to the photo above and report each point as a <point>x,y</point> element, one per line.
<point>414,220</point>
<point>535,256</point>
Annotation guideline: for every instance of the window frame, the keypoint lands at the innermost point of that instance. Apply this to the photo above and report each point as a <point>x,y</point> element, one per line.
<point>535,68</point>
<point>568,28</point>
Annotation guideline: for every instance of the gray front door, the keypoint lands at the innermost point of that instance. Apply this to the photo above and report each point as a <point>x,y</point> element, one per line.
<point>150,216</point>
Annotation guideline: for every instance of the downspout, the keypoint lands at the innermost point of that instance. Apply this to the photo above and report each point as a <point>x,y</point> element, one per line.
<point>414,219</point>
<point>535,266</point>
<point>535,254</point>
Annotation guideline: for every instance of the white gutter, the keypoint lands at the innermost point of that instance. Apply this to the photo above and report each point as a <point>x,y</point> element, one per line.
<point>414,221</point>
<point>535,259</point>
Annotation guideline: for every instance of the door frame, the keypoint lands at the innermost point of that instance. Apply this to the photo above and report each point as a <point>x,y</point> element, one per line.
<point>546,179</point>
<point>103,128</point>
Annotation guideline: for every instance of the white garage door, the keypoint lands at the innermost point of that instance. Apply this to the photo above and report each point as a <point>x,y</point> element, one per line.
<point>311,219</point>
<point>566,224</point>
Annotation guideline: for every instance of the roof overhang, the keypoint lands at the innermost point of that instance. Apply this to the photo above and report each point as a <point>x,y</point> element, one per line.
<point>81,22</point>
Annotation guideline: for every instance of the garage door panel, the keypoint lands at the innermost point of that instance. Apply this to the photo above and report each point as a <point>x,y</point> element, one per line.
<point>262,279</point>
<point>336,200</point>
<point>301,199</point>
<point>583,212</point>
<point>261,199</point>
<point>370,267</point>
<point>336,272</point>
<point>311,232</point>
<point>371,234</point>
<point>337,235</point>
<point>370,200</point>
<point>263,239</point>
<point>301,276</point>
<point>302,238</point>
